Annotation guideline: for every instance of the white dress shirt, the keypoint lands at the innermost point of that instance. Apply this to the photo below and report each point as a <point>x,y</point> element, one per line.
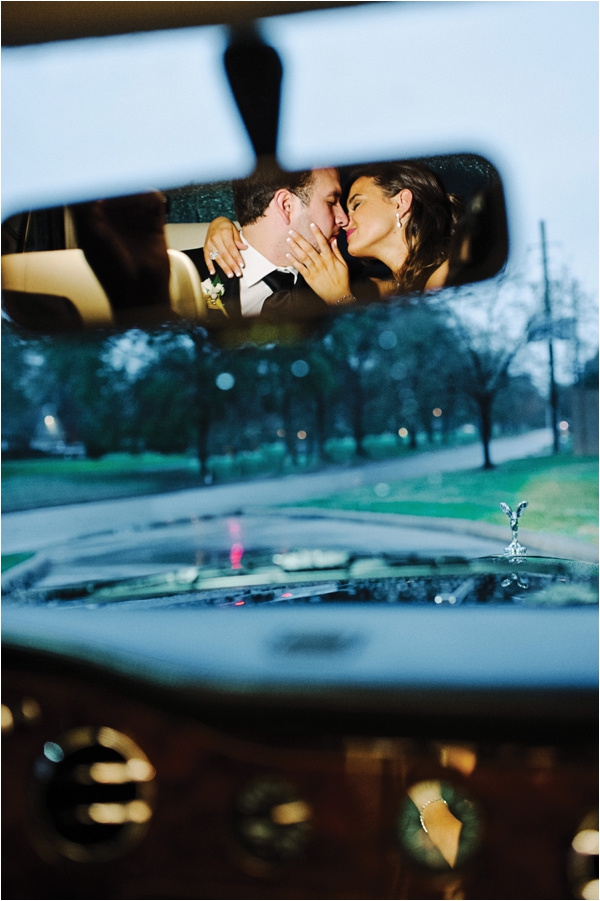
<point>253,291</point>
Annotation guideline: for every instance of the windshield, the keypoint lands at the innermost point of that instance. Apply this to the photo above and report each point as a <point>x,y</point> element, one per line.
<point>163,450</point>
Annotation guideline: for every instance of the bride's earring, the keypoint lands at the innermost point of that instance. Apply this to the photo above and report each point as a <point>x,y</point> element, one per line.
<point>398,220</point>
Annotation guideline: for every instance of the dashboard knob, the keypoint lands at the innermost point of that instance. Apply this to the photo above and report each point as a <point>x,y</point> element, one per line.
<point>271,822</point>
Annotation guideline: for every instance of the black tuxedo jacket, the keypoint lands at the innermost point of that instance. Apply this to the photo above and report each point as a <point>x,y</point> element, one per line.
<point>299,303</point>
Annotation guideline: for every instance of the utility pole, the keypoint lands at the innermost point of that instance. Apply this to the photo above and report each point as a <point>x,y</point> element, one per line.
<point>548,312</point>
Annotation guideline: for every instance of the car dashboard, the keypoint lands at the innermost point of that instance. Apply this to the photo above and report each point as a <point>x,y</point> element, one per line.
<point>299,751</point>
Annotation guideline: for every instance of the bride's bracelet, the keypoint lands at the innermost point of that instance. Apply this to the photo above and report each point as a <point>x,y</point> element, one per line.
<point>433,800</point>
<point>347,298</point>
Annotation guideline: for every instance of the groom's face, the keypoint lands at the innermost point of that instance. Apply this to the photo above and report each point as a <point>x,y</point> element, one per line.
<point>324,207</point>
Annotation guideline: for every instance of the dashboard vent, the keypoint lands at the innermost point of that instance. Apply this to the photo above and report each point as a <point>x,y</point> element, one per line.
<point>93,795</point>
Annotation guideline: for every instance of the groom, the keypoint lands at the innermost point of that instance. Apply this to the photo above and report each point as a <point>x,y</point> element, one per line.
<point>267,205</point>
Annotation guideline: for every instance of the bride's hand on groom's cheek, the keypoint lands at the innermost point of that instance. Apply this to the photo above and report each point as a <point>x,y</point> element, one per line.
<point>322,266</point>
<point>223,240</point>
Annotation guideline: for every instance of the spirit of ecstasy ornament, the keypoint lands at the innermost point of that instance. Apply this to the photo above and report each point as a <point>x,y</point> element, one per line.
<point>514,549</point>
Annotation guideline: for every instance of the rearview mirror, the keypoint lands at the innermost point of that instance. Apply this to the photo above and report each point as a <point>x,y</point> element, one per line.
<point>383,230</point>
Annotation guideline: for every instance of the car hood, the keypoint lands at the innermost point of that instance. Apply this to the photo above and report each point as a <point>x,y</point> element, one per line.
<point>248,560</point>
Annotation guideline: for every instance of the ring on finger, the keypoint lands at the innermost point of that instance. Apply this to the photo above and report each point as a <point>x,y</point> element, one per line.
<point>214,254</point>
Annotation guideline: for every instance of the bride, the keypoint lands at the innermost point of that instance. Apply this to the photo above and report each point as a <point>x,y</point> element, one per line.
<point>399,214</point>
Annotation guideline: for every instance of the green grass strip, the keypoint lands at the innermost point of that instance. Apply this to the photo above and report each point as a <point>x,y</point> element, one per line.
<point>119,464</point>
<point>562,493</point>
<point>29,484</point>
<point>10,560</point>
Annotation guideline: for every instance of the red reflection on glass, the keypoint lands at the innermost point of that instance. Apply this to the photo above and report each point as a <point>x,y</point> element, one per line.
<point>234,528</point>
<point>235,555</point>
<point>239,603</point>
<point>286,594</point>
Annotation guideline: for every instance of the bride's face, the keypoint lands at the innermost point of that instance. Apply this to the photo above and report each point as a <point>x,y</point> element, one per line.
<point>372,219</point>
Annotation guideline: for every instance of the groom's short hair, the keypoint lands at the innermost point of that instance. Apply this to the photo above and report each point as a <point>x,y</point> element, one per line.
<point>252,195</point>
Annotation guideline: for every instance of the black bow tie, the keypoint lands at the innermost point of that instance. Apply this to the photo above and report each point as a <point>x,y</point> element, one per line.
<point>279,281</point>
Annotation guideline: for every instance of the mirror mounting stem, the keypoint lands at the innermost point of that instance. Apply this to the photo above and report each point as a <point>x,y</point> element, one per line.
<point>254,72</point>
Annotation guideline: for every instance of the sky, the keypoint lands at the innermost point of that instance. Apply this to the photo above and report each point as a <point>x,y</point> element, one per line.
<point>515,81</point>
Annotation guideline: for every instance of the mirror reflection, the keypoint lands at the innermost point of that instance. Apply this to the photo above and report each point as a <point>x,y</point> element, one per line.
<point>439,826</point>
<point>275,249</point>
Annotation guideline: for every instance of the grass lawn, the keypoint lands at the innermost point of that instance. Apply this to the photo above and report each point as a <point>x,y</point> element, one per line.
<point>562,494</point>
<point>28,484</point>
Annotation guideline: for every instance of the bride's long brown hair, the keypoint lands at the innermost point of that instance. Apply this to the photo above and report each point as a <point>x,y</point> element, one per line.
<point>432,219</point>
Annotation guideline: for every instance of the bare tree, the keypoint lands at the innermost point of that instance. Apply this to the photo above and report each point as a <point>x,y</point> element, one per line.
<point>491,322</point>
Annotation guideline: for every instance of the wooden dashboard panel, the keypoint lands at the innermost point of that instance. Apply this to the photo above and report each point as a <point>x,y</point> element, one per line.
<point>531,799</point>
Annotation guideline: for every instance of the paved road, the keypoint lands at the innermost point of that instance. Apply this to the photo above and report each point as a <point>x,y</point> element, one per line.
<point>34,530</point>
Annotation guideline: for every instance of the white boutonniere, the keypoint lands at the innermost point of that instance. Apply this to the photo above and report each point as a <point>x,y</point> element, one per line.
<point>213,290</point>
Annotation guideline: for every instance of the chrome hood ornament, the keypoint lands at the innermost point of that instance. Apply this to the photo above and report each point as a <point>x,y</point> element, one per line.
<point>514,549</point>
